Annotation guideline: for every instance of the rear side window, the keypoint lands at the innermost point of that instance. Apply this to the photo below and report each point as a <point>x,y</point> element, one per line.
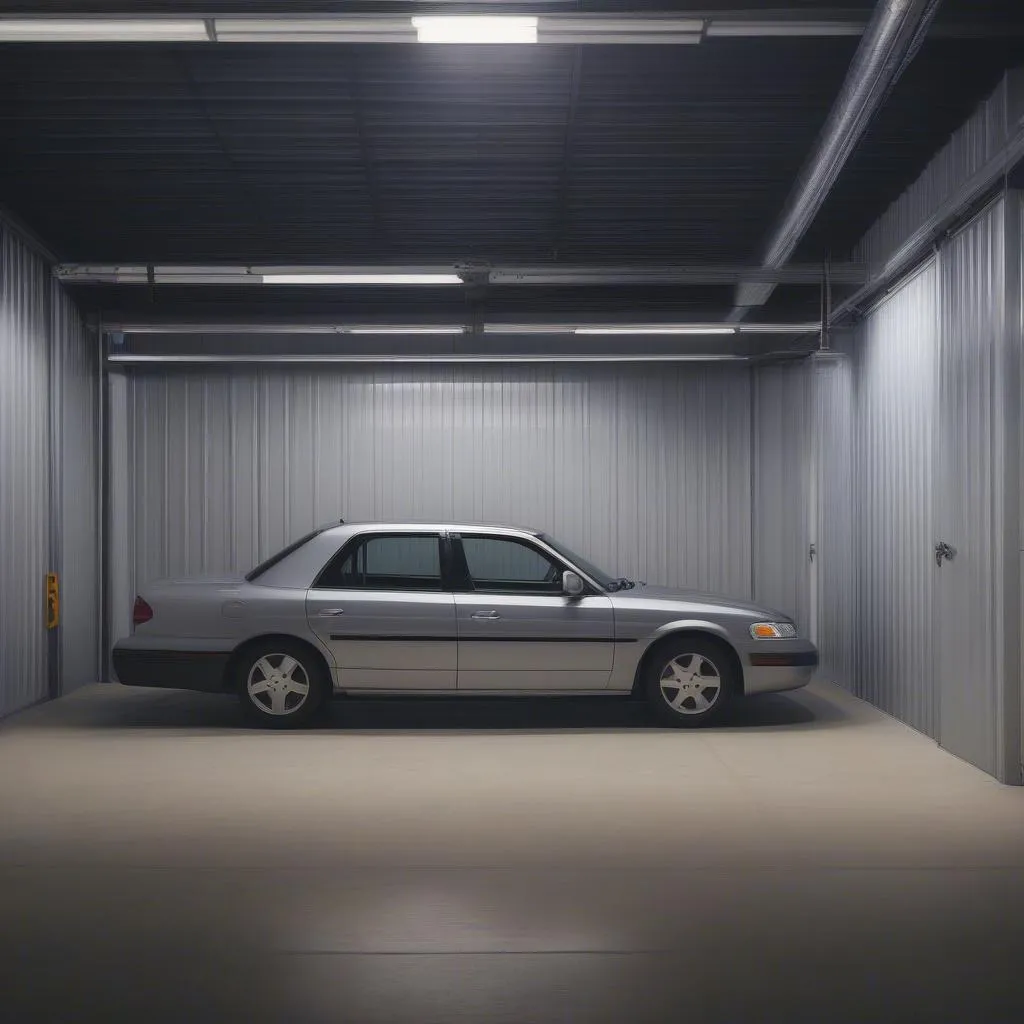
<point>282,554</point>
<point>386,562</point>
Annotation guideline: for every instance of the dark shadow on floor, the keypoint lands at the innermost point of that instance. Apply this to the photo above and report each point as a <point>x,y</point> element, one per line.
<point>117,707</point>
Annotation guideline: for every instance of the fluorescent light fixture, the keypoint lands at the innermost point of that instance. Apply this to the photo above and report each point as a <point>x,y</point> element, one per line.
<point>656,329</point>
<point>638,30</point>
<point>299,29</point>
<point>405,330</point>
<point>361,279</point>
<point>783,28</point>
<point>778,328</point>
<point>526,329</point>
<point>474,29</point>
<point>102,30</point>
<point>441,357</point>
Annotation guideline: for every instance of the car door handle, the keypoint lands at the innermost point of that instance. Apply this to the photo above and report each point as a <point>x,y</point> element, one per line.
<point>329,612</point>
<point>485,615</point>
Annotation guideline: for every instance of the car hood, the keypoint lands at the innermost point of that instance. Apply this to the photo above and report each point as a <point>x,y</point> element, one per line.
<point>693,599</point>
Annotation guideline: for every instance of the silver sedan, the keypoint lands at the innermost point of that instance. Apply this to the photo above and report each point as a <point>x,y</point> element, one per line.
<point>459,609</point>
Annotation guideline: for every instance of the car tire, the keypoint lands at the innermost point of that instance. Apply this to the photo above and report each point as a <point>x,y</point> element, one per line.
<point>281,684</point>
<point>690,682</point>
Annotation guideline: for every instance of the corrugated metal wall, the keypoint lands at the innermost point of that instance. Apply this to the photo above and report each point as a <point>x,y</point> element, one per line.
<point>980,139</point>
<point>645,470</point>
<point>893,533</point>
<point>24,482</point>
<point>781,439</point>
<point>834,424</point>
<point>1014,650</point>
<point>48,381</point>
<point>978,476</point>
<point>120,553</point>
<point>77,362</point>
<point>918,422</point>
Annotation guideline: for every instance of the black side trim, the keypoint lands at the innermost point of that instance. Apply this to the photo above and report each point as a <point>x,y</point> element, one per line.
<point>403,637</point>
<point>488,639</point>
<point>179,670</point>
<point>778,660</point>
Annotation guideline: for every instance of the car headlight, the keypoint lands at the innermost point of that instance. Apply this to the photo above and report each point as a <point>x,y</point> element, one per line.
<point>773,631</point>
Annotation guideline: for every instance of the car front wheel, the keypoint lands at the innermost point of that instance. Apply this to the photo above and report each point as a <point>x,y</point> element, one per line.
<point>281,684</point>
<point>690,682</point>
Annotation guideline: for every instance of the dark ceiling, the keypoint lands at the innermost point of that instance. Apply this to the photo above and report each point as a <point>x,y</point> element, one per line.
<point>369,154</point>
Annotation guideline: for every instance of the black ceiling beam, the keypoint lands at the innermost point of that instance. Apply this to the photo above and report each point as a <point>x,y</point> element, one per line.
<point>561,217</point>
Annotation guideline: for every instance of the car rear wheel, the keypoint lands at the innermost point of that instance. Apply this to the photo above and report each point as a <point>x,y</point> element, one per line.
<point>281,684</point>
<point>690,682</point>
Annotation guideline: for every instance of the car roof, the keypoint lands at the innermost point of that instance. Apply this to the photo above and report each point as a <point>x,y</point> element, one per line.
<point>400,526</point>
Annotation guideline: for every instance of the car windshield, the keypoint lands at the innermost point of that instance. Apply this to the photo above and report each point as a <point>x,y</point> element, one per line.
<point>602,579</point>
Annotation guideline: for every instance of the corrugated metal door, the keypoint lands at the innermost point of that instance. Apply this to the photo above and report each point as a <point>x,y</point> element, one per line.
<point>782,479</point>
<point>24,482</point>
<point>971,480</point>
<point>890,449</point>
<point>835,517</point>
<point>76,363</point>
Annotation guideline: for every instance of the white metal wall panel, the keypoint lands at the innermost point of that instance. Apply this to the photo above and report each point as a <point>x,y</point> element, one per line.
<point>893,535</point>
<point>781,474</point>
<point>977,142</point>
<point>1015,616</point>
<point>24,482</point>
<point>647,471</point>
<point>120,511</point>
<point>77,362</point>
<point>838,637</point>
<point>977,363</point>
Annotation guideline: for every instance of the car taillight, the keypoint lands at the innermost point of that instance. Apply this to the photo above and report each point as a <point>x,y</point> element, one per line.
<point>141,612</point>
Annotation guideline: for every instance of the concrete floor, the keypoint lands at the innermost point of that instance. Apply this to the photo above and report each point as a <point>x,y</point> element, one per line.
<point>525,862</point>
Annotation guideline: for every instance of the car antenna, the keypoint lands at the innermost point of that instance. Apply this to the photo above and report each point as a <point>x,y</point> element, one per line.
<point>342,522</point>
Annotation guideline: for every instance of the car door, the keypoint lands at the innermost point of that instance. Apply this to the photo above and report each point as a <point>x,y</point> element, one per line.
<point>381,608</point>
<point>517,629</point>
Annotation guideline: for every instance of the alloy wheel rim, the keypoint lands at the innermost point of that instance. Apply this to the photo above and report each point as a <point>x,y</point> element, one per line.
<point>690,684</point>
<point>278,684</point>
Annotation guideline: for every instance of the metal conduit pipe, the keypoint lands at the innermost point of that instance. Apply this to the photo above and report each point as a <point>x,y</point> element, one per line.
<point>892,38</point>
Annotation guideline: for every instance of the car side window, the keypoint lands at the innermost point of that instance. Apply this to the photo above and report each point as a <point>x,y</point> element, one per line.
<point>385,562</point>
<point>506,565</point>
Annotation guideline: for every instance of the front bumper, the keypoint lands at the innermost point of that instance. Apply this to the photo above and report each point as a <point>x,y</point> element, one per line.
<point>770,666</point>
<point>180,670</point>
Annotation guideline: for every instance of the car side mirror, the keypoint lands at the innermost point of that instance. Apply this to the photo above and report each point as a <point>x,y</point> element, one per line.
<point>572,585</point>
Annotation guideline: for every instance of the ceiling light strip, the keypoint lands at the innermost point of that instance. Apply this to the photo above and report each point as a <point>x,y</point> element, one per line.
<point>445,329</point>
<point>560,29</point>
<point>656,329</point>
<point>782,28</point>
<point>103,30</point>
<point>285,328</point>
<point>355,29</point>
<point>441,357</point>
<point>476,29</point>
<point>362,279</point>
<point>613,330</point>
<point>399,330</point>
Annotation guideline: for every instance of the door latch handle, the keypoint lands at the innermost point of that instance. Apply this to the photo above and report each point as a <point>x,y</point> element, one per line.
<point>485,615</point>
<point>331,611</point>
<point>944,551</point>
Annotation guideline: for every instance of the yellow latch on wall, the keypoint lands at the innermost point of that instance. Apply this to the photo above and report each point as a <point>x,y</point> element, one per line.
<point>52,601</point>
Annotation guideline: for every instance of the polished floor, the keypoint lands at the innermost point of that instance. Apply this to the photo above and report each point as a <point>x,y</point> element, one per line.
<point>422,861</point>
